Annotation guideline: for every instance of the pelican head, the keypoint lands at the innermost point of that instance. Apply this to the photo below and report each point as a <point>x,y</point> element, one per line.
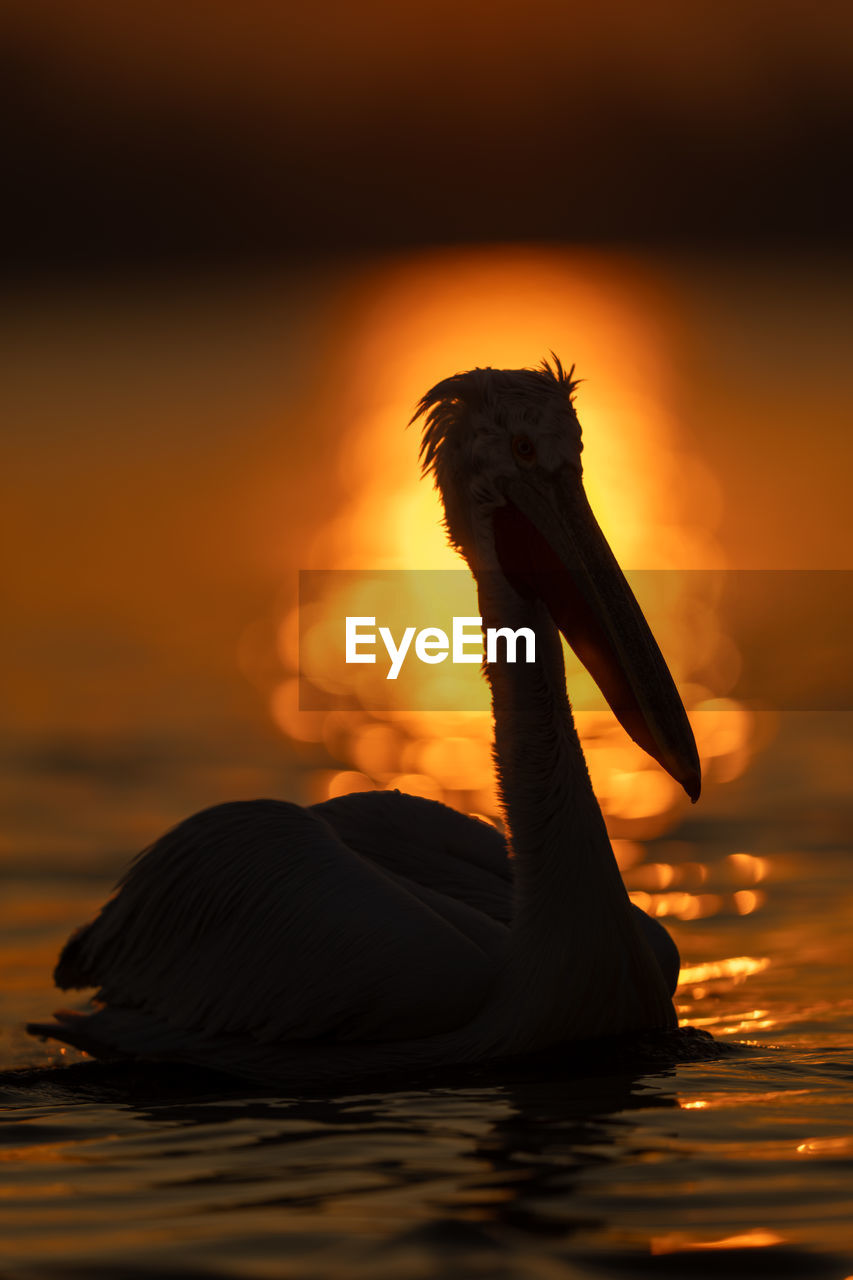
<point>504,447</point>
<point>487,429</point>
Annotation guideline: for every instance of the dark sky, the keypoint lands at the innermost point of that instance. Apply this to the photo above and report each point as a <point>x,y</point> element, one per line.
<point>212,133</point>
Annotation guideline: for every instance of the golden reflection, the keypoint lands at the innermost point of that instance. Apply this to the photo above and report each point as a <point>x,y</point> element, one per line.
<point>347,781</point>
<point>755,1238</point>
<point>654,875</point>
<point>681,905</point>
<point>708,982</point>
<point>413,325</point>
<point>746,901</point>
<point>376,749</point>
<point>736,968</point>
<point>751,1099</point>
<point>627,853</point>
<point>303,726</point>
<point>417,784</point>
<point>746,869</point>
<point>826,1146</point>
<point>752,1020</point>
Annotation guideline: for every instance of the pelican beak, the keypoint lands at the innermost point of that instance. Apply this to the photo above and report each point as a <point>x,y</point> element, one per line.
<point>550,546</point>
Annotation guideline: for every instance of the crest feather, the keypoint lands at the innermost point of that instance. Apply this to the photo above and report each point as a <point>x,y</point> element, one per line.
<point>445,405</point>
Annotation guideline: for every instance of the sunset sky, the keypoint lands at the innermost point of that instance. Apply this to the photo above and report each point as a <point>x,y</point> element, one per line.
<point>243,243</point>
<point>178,455</point>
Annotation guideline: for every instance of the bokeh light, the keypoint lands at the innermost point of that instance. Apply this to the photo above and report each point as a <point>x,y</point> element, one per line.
<point>408,326</point>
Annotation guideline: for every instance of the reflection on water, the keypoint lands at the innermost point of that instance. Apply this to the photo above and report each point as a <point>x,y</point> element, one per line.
<point>550,1175</point>
<point>731,1167</point>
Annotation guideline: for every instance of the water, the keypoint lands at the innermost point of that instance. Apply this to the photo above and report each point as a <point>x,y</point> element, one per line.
<point>736,1166</point>
<point>171,466</point>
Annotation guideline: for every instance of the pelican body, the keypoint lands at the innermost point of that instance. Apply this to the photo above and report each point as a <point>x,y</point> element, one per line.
<point>380,931</point>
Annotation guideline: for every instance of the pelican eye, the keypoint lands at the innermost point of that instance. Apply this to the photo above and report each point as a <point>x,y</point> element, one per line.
<point>523,450</point>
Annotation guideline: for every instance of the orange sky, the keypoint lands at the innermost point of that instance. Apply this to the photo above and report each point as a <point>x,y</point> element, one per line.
<point>172,457</point>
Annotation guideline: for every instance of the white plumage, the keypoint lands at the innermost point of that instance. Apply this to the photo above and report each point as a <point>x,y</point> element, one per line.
<point>380,931</point>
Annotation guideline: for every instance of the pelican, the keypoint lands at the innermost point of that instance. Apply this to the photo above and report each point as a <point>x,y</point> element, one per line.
<point>381,931</point>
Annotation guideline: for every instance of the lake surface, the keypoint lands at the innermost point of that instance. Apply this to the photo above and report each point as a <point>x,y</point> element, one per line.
<point>174,457</point>
<point>740,1165</point>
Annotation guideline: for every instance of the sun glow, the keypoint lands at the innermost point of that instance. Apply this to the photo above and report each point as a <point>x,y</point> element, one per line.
<point>412,325</point>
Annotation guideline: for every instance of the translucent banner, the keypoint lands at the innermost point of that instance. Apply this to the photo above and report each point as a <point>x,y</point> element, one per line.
<point>397,640</point>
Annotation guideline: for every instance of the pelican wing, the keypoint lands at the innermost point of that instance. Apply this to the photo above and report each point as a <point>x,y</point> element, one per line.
<point>429,845</point>
<point>258,919</point>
